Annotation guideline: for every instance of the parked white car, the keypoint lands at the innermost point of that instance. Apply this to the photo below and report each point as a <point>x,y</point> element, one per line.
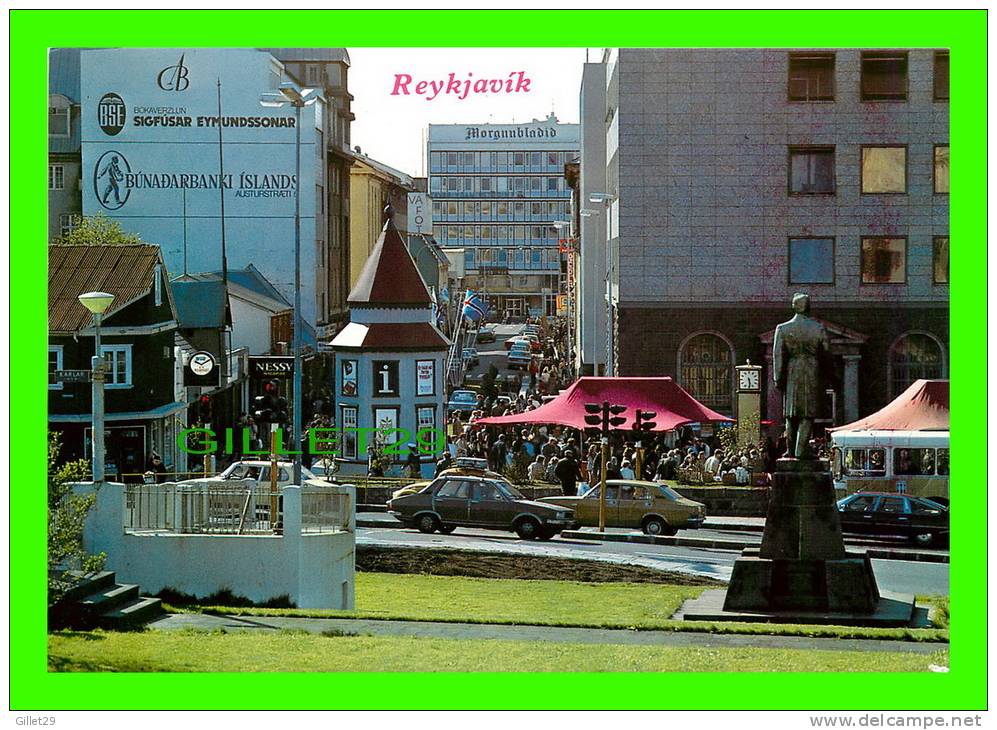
<point>244,472</point>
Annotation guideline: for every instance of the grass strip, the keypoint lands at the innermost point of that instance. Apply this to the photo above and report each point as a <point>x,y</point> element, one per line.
<point>201,651</point>
<point>633,606</point>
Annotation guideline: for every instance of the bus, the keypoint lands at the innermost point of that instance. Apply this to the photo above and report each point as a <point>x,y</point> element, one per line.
<point>907,462</point>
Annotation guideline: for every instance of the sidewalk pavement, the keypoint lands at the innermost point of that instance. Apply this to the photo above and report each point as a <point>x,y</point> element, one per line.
<point>552,634</point>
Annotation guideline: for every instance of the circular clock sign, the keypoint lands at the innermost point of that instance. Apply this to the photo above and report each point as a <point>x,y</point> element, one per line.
<point>202,363</point>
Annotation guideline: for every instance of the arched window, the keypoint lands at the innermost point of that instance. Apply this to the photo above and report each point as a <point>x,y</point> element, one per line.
<point>705,370</point>
<point>913,356</point>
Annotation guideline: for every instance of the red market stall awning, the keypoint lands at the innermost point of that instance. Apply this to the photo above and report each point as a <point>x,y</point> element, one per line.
<point>672,405</point>
<point>924,406</point>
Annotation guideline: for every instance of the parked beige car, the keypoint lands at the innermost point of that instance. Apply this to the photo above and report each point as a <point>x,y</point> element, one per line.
<point>657,509</point>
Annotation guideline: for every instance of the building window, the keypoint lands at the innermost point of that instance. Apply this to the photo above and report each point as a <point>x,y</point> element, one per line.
<point>941,168</point>
<point>940,260</point>
<point>811,77</point>
<point>320,199</point>
<point>884,260</point>
<point>58,121</point>
<point>486,184</point>
<point>56,177</point>
<point>54,363</point>
<point>67,222</point>
<point>811,260</point>
<point>941,91</point>
<point>313,74</point>
<point>451,159</point>
<point>118,365</point>
<point>884,76</point>
<point>518,159</point>
<point>349,426</point>
<point>705,365</point>
<point>913,356</point>
<point>884,169</point>
<point>552,184</point>
<point>469,159</point>
<point>425,419</point>
<point>811,170</point>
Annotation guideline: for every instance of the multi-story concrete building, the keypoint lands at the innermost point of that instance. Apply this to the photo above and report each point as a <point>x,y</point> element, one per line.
<point>735,178</point>
<point>497,191</point>
<point>134,135</point>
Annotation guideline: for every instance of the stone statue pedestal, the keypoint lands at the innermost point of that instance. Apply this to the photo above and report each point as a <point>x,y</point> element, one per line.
<point>802,572</point>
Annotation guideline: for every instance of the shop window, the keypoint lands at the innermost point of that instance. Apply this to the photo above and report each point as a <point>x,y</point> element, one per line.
<point>705,367</point>
<point>942,463</point>
<point>941,168</point>
<point>811,77</point>
<point>811,170</point>
<point>940,260</point>
<point>884,76</point>
<point>811,260</point>
<point>884,169</point>
<point>941,83</point>
<point>912,357</point>
<point>884,260</point>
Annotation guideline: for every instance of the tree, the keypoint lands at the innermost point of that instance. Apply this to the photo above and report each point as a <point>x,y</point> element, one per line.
<point>98,230</point>
<point>66,514</point>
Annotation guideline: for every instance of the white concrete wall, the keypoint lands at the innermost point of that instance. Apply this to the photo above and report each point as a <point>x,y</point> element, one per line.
<point>315,570</point>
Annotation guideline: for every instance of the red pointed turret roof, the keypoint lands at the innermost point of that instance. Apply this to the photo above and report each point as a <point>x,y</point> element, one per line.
<point>390,277</point>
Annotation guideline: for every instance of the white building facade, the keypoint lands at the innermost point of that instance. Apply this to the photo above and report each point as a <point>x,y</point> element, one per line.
<point>497,190</point>
<point>153,160</point>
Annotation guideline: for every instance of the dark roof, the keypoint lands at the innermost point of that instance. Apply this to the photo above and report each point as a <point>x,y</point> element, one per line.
<point>122,270</point>
<point>200,304</point>
<point>64,72</point>
<point>390,277</point>
<point>391,336</point>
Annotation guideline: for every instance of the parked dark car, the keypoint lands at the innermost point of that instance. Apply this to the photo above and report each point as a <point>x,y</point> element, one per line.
<point>485,334</point>
<point>920,520</point>
<point>463,500</point>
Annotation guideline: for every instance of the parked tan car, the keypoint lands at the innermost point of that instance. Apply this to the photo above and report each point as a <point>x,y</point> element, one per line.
<point>657,509</point>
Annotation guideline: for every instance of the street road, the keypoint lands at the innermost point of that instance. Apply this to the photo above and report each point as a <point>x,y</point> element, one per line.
<point>493,353</point>
<point>893,575</point>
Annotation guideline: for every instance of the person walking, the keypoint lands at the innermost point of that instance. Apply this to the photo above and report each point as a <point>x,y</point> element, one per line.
<point>568,474</point>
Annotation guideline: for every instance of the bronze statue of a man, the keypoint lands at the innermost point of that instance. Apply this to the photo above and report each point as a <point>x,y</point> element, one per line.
<point>798,351</point>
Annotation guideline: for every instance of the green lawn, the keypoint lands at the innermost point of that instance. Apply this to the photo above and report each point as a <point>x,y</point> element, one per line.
<point>190,651</point>
<point>551,603</point>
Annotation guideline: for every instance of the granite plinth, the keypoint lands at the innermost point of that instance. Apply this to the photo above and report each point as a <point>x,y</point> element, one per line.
<point>802,565</point>
<point>891,610</point>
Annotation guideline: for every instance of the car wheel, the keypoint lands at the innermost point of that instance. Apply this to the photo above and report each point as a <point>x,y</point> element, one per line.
<point>427,524</point>
<point>527,529</point>
<point>655,526</point>
<point>447,529</point>
<point>546,533</point>
<point>924,539</point>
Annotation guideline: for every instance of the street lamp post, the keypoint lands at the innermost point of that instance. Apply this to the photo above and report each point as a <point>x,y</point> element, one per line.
<point>97,302</point>
<point>569,290</point>
<point>607,200</point>
<point>289,93</point>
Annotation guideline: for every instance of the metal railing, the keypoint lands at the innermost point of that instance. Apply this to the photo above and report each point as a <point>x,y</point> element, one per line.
<point>325,510</point>
<point>202,508</point>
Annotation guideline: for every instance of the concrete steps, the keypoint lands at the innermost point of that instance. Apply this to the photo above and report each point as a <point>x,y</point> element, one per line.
<point>97,600</point>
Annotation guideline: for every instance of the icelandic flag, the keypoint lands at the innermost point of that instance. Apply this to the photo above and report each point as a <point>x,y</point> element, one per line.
<point>474,306</point>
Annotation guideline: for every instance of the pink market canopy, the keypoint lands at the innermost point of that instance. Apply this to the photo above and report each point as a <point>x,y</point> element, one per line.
<point>924,406</point>
<point>672,405</point>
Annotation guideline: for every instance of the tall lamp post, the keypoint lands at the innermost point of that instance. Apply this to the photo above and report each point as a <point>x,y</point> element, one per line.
<point>607,200</point>
<point>569,291</point>
<point>290,94</point>
<point>97,302</point>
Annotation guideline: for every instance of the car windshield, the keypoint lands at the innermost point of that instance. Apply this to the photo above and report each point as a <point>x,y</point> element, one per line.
<point>508,490</point>
<point>239,470</point>
<point>668,492</point>
<point>464,395</point>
